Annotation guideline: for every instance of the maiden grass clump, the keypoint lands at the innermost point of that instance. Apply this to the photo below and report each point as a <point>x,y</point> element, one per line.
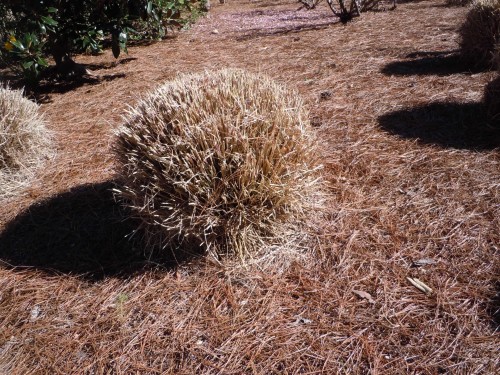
<point>480,34</point>
<point>224,161</point>
<point>492,102</point>
<point>24,140</point>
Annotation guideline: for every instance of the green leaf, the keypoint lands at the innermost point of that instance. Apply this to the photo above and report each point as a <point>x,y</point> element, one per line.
<point>42,62</point>
<point>49,21</point>
<point>52,10</point>
<point>17,44</point>
<point>34,38</point>
<point>42,27</point>
<point>155,16</point>
<point>28,64</point>
<point>122,37</point>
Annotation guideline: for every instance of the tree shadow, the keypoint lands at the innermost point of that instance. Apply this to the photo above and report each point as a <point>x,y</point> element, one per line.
<point>412,1</point>
<point>455,125</point>
<point>82,232</point>
<point>447,5</point>
<point>291,22</point>
<point>42,93</point>
<point>109,65</point>
<point>52,83</point>
<point>266,3</point>
<point>260,33</point>
<point>430,63</point>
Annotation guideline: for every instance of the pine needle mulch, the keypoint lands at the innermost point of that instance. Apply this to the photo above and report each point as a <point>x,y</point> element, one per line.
<point>413,172</point>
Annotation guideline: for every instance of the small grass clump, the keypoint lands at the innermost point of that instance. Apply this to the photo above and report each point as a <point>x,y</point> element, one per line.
<point>491,97</point>
<point>224,161</point>
<point>492,102</point>
<point>480,34</point>
<point>24,140</point>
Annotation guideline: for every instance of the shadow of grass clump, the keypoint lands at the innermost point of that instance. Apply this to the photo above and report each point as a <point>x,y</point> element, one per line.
<point>430,63</point>
<point>455,125</point>
<point>83,232</point>
<point>494,309</point>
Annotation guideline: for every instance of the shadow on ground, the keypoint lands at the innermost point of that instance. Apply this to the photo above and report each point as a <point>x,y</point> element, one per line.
<point>50,86</point>
<point>455,125</point>
<point>494,309</point>
<point>110,65</point>
<point>293,22</point>
<point>52,83</point>
<point>259,33</point>
<point>82,232</point>
<point>429,63</point>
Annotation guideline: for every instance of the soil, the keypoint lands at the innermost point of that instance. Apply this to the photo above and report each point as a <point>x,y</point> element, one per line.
<point>413,169</point>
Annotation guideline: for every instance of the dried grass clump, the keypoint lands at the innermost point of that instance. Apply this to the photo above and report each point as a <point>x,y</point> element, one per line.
<point>480,34</point>
<point>492,102</point>
<point>24,140</point>
<point>220,160</point>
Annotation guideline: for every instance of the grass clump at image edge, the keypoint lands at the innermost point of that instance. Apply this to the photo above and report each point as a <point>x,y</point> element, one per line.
<point>222,162</point>
<point>480,34</point>
<point>492,102</point>
<point>24,140</point>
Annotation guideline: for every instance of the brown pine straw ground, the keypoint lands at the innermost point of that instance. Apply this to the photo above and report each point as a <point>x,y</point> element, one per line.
<point>413,174</point>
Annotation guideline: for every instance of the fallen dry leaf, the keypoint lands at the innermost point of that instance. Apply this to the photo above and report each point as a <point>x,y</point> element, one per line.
<point>420,285</point>
<point>364,295</point>
<point>423,262</point>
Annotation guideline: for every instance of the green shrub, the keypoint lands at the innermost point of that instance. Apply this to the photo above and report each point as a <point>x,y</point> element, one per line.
<point>480,34</point>
<point>221,161</point>
<point>24,140</point>
<point>32,30</point>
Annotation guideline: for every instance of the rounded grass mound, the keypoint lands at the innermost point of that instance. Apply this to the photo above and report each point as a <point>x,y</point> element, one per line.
<point>24,140</point>
<point>480,34</point>
<point>223,161</point>
<point>492,102</point>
